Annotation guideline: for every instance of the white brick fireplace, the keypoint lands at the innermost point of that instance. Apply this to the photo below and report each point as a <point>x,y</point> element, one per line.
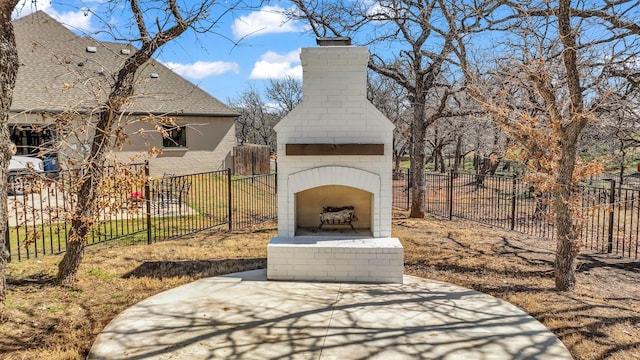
<point>334,150</point>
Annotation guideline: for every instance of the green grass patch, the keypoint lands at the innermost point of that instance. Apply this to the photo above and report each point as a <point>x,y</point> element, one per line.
<point>204,206</point>
<point>101,274</point>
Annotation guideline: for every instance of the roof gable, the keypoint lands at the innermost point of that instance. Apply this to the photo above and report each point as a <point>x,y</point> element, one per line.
<point>61,71</point>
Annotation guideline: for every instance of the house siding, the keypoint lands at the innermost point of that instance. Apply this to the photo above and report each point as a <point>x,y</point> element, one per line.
<point>210,142</point>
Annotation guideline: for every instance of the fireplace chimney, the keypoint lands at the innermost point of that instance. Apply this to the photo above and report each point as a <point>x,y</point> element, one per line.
<point>335,153</point>
<point>337,135</point>
<point>333,41</point>
<point>335,78</point>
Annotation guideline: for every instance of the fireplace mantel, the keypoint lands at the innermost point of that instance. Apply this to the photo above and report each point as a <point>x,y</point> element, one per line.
<point>335,149</point>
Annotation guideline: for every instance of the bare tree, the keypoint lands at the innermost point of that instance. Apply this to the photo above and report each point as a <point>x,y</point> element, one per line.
<point>257,117</point>
<point>623,132</point>
<point>286,94</point>
<point>547,97</point>
<point>155,24</point>
<point>440,138</point>
<point>9,66</point>
<point>449,131</point>
<point>616,135</point>
<point>391,99</point>
<point>256,120</point>
<point>420,45</point>
<point>469,132</point>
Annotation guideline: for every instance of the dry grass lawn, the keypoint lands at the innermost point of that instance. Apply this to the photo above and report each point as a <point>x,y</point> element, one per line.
<point>600,320</point>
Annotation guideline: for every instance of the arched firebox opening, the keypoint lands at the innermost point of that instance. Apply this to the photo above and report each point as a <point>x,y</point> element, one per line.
<point>333,209</point>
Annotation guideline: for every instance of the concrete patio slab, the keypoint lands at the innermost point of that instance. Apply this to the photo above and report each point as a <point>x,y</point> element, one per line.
<point>244,316</point>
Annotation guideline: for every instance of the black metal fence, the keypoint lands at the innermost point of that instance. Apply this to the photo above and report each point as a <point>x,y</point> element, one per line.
<point>144,211</point>
<point>400,190</point>
<point>609,217</point>
<point>165,208</point>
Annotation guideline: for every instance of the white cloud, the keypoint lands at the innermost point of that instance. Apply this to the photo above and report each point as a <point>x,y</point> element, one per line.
<point>269,20</point>
<point>79,20</point>
<point>75,20</point>
<point>277,66</point>
<point>26,7</point>
<point>381,10</point>
<point>203,69</point>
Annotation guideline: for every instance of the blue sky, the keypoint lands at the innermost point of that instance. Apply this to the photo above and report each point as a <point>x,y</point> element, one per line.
<point>269,48</point>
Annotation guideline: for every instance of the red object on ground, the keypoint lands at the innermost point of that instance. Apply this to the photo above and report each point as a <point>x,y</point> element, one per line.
<point>136,194</point>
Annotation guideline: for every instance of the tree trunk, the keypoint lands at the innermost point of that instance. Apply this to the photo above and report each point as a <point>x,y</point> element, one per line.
<point>567,246</point>
<point>81,222</point>
<point>443,167</point>
<point>9,66</point>
<point>476,161</point>
<point>396,166</point>
<point>458,156</point>
<point>418,161</point>
<point>68,267</point>
<point>84,213</point>
<point>623,154</point>
<point>493,167</point>
<point>484,168</point>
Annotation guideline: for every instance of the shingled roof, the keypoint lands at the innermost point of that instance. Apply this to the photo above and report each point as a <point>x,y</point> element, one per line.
<point>60,71</point>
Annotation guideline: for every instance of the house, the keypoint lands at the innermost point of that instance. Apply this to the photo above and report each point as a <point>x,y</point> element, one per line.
<point>62,77</point>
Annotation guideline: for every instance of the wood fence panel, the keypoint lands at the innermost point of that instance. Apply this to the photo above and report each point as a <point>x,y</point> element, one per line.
<point>251,159</point>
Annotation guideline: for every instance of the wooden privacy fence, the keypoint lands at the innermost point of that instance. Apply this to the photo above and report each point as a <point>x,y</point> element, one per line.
<point>251,159</point>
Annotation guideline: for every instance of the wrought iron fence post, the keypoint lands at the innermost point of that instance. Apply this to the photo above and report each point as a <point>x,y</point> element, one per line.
<point>230,214</point>
<point>7,242</point>
<point>408,189</point>
<point>450,182</point>
<point>147,195</point>
<point>612,201</point>
<point>513,202</point>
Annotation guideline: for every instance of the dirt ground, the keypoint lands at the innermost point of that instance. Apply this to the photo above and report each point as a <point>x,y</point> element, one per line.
<point>599,320</point>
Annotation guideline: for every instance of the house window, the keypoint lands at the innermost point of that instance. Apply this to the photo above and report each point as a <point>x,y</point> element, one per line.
<point>29,140</point>
<point>176,137</point>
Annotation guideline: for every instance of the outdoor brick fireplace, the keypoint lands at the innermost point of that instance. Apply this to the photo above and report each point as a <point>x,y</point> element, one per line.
<point>334,177</point>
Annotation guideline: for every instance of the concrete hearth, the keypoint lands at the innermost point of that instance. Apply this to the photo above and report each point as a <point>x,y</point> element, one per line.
<point>335,156</point>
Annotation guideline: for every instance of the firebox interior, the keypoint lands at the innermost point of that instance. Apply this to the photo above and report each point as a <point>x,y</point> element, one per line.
<point>310,204</point>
